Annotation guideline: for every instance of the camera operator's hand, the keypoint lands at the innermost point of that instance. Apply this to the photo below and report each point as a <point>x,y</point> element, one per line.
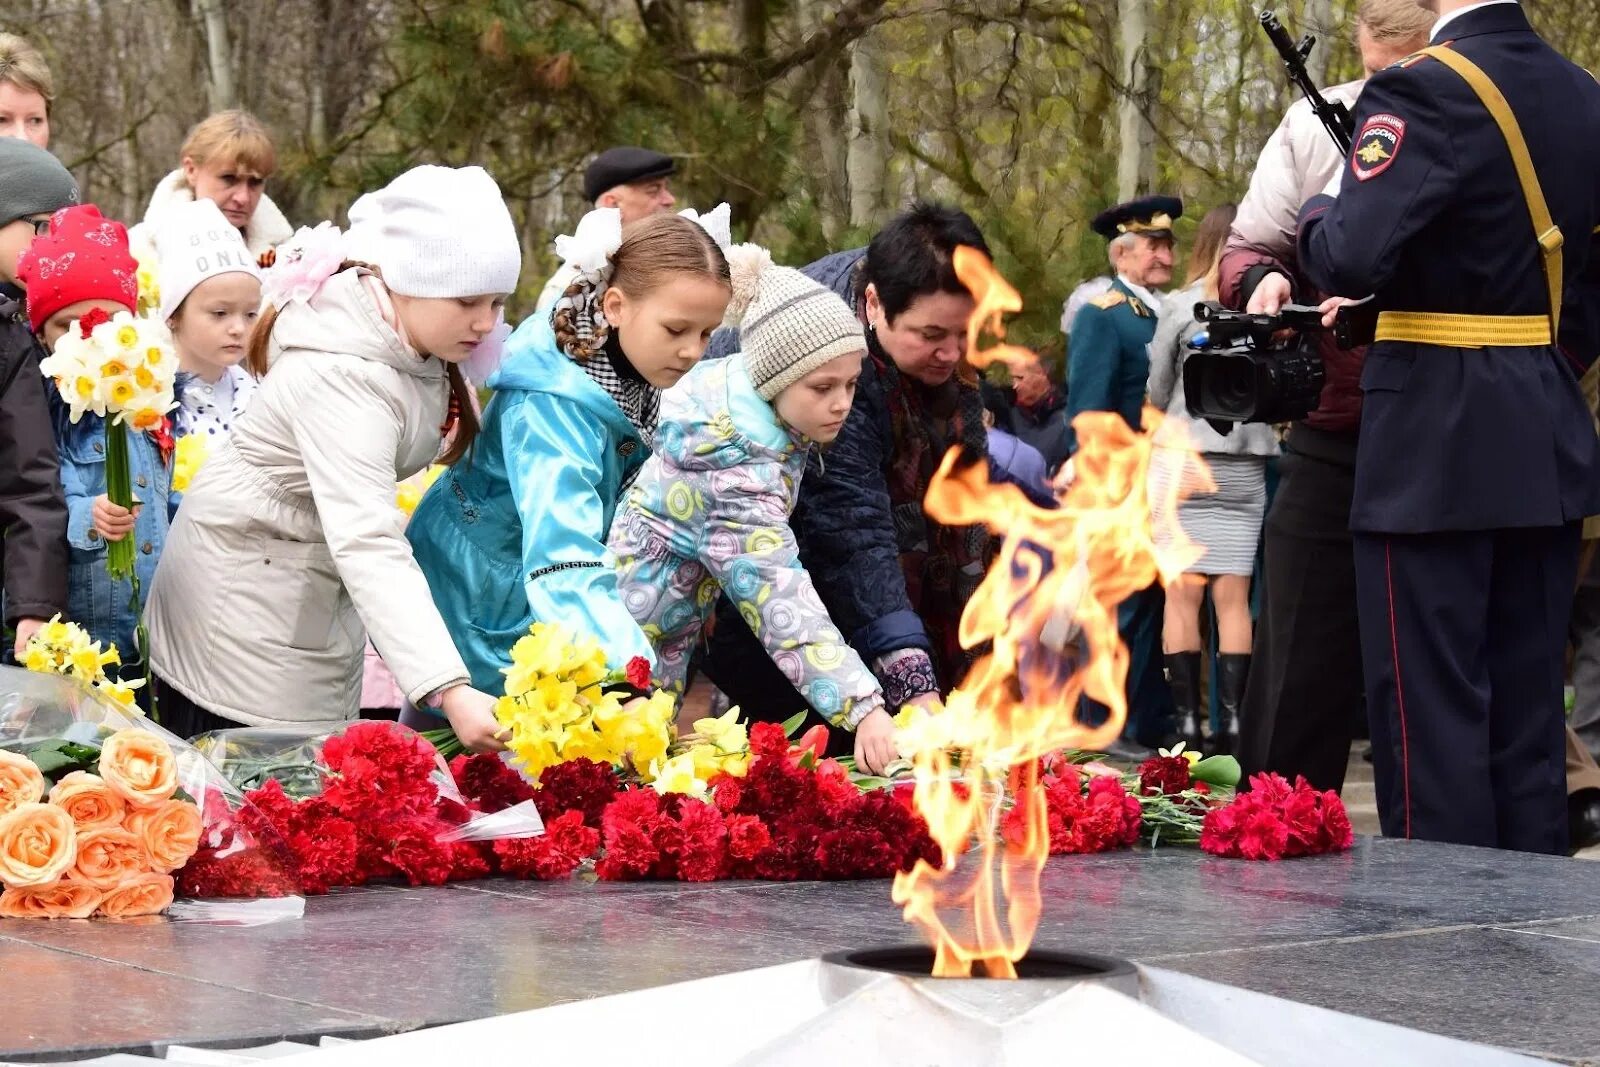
<point>1271,294</point>
<point>1330,308</point>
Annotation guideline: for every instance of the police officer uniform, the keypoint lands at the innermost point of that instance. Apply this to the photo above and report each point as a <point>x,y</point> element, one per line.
<point>1108,369</point>
<point>1468,207</point>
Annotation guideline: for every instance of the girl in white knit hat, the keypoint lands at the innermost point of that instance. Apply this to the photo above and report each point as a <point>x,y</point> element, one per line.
<point>709,514</point>
<point>288,543</point>
<point>210,290</point>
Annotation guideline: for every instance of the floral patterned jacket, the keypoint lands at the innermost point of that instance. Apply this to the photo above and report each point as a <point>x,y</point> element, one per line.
<point>709,513</point>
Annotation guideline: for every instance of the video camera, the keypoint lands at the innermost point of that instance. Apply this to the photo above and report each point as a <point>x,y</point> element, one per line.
<point>1259,368</point>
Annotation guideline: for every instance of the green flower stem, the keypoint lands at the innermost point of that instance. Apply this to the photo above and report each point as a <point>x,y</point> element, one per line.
<point>119,488</point>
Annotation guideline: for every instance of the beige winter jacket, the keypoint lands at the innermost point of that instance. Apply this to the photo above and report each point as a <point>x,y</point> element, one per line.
<point>289,539</point>
<point>1296,164</point>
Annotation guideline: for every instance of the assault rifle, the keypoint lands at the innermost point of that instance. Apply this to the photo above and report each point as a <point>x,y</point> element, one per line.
<point>1335,117</point>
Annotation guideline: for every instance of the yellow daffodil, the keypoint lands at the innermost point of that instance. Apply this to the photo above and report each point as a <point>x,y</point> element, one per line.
<point>187,459</point>
<point>676,775</point>
<point>65,648</point>
<point>128,336</point>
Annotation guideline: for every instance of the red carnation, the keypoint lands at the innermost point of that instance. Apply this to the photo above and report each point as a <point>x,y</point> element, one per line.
<point>581,785</point>
<point>413,849</point>
<point>489,781</point>
<point>836,793</point>
<point>701,841</point>
<point>92,318</point>
<point>469,860</point>
<point>560,850</point>
<point>1337,836</point>
<point>768,739</point>
<point>1164,775</point>
<point>638,672</point>
<point>726,792</point>
<point>747,837</point>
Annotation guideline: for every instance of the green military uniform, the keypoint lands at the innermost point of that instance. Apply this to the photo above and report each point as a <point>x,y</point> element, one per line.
<point>1108,369</point>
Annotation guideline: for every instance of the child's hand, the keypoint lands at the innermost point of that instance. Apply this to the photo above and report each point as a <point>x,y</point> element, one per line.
<point>111,521</point>
<point>875,748</point>
<point>471,716</point>
<point>26,628</point>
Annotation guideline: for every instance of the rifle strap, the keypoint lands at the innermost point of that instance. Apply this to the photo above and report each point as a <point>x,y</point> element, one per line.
<point>1545,230</point>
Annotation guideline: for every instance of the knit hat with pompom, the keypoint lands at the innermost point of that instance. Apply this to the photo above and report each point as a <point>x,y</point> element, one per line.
<point>788,324</point>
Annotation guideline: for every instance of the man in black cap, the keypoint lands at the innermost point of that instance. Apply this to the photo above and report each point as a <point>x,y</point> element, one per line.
<point>635,181</point>
<point>1108,370</point>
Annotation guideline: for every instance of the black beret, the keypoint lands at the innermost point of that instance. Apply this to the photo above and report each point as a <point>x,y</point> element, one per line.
<point>619,166</point>
<point>1149,215</point>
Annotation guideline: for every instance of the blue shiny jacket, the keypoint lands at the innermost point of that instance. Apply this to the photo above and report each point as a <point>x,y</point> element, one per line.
<point>94,601</point>
<point>516,532</point>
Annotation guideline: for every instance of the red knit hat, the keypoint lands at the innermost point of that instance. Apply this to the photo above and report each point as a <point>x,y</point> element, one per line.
<point>84,257</point>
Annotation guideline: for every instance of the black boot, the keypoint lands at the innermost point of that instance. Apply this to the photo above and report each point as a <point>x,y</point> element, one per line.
<point>1232,672</point>
<point>1183,675</point>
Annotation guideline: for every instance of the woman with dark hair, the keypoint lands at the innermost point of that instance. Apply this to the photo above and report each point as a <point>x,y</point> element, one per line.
<point>894,580</point>
<point>1226,523</point>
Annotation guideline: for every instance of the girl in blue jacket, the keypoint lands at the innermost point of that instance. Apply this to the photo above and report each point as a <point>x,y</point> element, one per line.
<point>516,533</point>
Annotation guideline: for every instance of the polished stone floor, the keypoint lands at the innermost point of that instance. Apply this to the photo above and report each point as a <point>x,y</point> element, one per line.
<point>1485,946</point>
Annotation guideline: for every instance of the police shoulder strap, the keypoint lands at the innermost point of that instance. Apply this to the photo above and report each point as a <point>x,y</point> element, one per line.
<point>1544,227</point>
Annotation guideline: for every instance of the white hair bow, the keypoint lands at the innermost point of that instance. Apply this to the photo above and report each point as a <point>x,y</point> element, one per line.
<point>303,262</point>
<point>717,222</point>
<point>590,249</point>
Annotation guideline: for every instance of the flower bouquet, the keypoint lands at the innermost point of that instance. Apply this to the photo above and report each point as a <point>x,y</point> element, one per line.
<point>373,800</point>
<point>121,368</point>
<point>102,812</point>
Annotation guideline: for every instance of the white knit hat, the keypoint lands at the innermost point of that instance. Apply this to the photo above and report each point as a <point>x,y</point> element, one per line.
<point>788,324</point>
<point>195,242</point>
<point>438,232</point>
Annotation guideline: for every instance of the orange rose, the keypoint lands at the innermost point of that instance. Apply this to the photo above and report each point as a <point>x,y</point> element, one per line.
<point>20,781</point>
<point>139,767</point>
<point>170,833</point>
<point>90,802</point>
<point>107,858</point>
<point>38,844</point>
<point>144,894</point>
<point>64,900</point>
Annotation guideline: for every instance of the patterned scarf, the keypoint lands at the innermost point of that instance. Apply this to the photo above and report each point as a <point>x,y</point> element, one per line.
<point>640,401</point>
<point>943,565</point>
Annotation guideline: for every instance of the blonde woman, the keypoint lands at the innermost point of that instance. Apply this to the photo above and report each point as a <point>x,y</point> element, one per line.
<point>1226,522</point>
<point>26,91</point>
<point>226,159</point>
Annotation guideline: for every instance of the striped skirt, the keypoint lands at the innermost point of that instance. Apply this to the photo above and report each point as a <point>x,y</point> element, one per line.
<point>1225,523</point>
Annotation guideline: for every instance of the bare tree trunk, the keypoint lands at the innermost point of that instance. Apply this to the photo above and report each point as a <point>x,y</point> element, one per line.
<point>1319,16</point>
<point>826,118</point>
<point>219,57</point>
<point>869,133</point>
<point>1136,156</point>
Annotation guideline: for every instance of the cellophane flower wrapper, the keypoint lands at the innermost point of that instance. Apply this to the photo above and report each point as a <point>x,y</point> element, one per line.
<point>250,757</point>
<point>62,725</point>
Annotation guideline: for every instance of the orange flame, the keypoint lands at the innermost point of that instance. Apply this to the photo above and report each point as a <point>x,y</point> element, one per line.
<point>1048,608</point>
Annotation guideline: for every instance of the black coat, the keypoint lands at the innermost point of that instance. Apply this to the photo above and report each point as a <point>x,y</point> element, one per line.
<point>33,511</point>
<point>1045,428</point>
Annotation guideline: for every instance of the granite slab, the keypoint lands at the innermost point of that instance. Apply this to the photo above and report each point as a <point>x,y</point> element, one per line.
<point>66,1004</point>
<point>1487,946</point>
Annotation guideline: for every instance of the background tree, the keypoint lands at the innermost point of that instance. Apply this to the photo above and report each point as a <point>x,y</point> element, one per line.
<point>814,119</point>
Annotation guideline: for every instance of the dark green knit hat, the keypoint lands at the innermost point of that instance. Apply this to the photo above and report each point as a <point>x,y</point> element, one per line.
<point>32,181</point>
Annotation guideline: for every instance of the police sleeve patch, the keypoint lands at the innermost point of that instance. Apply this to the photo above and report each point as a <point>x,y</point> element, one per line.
<point>1376,146</point>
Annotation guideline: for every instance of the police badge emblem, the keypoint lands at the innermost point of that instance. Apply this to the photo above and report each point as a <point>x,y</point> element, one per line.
<point>1377,145</point>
